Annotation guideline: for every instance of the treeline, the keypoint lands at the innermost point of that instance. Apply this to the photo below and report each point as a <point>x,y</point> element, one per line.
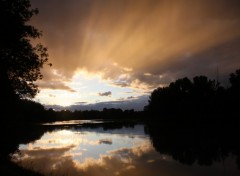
<point>183,99</point>
<point>201,97</point>
<point>30,111</point>
<point>106,113</point>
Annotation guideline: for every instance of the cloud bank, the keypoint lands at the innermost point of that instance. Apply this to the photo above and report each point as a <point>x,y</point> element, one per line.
<point>137,104</point>
<point>166,39</point>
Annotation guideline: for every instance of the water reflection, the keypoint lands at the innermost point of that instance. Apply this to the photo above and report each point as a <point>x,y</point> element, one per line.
<point>73,122</point>
<point>189,143</point>
<point>78,150</point>
<point>122,151</point>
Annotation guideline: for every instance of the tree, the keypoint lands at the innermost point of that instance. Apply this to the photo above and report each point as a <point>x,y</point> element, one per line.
<point>235,81</point>
<point>174,96</point>
<point>20,61</point>
<point>203,87</point>
<point>234,92</point>
<point>184,96</point>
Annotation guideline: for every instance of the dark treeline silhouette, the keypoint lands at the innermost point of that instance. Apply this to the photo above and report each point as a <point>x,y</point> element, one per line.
<point>202,97</point>
<point>106,113</point>
<point>28,111</point>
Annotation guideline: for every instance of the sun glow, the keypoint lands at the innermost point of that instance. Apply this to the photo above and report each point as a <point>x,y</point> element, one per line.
<point>123,46</point>
<point>86,88</point>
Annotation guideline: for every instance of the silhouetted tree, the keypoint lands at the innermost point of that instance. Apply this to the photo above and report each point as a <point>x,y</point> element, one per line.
<point>204,143</point>
<point>171,98</point>
<point>235,81</point>
<point>20,61</point>
<point>234,93</point>
<point>183,96</point>
<point>203,87</point>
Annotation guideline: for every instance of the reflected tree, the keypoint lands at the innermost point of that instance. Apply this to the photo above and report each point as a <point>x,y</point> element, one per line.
<point>191,143</point>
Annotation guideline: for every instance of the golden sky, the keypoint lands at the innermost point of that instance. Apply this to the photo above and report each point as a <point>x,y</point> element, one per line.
<point>119,50</point>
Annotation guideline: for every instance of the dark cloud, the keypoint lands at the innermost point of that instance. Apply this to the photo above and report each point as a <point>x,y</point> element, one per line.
<point>219,58</point>
<point>106,94</point>
<point>136,103</point>
<point>53,79</point>
<point>54,85</point>
<point>122,83</point>
<point>105,141</point>
<point>167,39</point>
<point>131,97</point>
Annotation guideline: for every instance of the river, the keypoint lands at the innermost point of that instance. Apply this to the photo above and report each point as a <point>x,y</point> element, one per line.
<point>115,148</point>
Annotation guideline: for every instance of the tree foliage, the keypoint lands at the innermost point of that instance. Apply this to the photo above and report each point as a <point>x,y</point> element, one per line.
<point>200,96</point>
<point>235,81</point>
<point>20,61</point>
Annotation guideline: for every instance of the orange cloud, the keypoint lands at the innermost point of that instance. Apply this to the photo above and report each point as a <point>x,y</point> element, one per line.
<point>146,38</point>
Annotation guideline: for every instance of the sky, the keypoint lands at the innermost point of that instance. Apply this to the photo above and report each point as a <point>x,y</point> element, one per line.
<point>113,53</point>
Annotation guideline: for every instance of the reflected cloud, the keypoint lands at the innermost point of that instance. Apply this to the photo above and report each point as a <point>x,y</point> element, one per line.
<point>44,160</point>
<point>79,152</point>
<point>58,162</point>
<point>85,154</point>
<point>41,151</point>
<point>72,122</point>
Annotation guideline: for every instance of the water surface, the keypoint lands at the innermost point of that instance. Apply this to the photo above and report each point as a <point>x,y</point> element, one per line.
<point>108,151</point>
